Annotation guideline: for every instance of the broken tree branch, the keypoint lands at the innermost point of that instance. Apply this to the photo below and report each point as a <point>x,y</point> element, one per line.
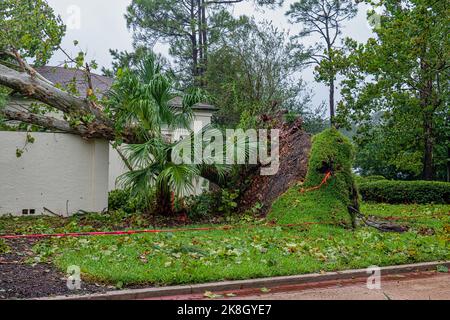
<point>44,92</point>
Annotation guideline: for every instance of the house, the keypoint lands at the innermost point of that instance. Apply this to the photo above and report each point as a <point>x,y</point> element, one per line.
<point>63,173</point>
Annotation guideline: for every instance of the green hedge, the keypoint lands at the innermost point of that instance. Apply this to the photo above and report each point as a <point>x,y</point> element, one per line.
<point>388,191</point>
<point>360,179</point>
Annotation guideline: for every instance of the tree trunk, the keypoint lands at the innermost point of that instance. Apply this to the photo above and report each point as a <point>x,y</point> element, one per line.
<point>194,43</point>
<point>204,32</point>
<point>448,164</point>
<point>164,204</point>
<point>426,94</point>
<point>36,88</point>
<point>332,108</point>
<point>294,149</point>
<point>428,171</point>
<point>200,38</point>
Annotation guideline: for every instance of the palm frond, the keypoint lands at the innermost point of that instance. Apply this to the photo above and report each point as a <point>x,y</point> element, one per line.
<point>178,178</point>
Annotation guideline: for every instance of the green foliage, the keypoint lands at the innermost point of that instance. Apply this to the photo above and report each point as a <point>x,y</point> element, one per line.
<point>124,200</point>
<point>130,60</point>
<point>402,113</point>
<point>262,251</point>
<point>374,178</point>
<point>201,206</point>
<point>331,152</point>
<point>228,201</point>
<point>184,26</point>
<point>191,28</point>
<point>291,117</point>
<point>388,191</point>
<point>4,248</point>
<point>140,99</point>
<point>363,179</point>
<point>221,203</point>
<point>118,199</point>
<point>31,28</point>
<point>252,73</point>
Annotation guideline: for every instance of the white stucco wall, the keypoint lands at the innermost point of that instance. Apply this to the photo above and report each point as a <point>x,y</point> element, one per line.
<point>61,172</point>
<point>117,167</point>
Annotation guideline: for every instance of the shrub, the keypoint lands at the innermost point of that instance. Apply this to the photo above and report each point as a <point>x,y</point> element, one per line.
<point>388,191</point>
<point>117,199</point>
<point>223,203</point>
<point>373,178</point>
<point>361,179</point>
<point>124,200</point>
<point>201,206</point>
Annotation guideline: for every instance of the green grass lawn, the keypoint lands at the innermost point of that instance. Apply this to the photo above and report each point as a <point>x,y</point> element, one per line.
<point>198,256</point>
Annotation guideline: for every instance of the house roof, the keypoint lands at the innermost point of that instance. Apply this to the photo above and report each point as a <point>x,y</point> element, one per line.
<point>66,76</point>
<point>101,84</point>
<point>178,103</point>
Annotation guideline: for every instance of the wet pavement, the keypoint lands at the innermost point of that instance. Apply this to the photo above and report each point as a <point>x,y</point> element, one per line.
<point>436,287</point>
<point>410,286</point>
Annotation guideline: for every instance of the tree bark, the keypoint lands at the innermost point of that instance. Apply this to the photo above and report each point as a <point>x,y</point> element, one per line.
<point>428,170</point>
<point>448,164</point>
<point>45,122</point>
<point>164,203</point>
<point>194,42</point>
<point>34,87</point>
<point>426,93</point>
<point>332,108</point>
<point>200,37</point>
<point>204,33</point>
<point>42,91</point>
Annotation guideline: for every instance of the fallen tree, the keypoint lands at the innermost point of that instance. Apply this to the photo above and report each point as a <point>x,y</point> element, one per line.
<point>93,122</point>
<point>294,148</point>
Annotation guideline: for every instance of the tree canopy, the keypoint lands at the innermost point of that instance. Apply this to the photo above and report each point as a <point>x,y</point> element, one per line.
<point>396,87</point>
<point>30,28</point>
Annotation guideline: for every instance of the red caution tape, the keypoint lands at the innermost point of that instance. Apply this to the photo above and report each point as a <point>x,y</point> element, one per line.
<point>325,180</point>
<point>131,232</point>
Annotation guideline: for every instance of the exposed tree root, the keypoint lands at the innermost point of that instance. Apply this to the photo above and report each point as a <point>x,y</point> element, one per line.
<point>383,226</point>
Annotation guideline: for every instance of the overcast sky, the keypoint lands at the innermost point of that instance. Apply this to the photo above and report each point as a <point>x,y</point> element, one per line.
<point>99,25</point>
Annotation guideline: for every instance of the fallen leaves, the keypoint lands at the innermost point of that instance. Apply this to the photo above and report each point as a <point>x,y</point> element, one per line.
<point>210,295</point>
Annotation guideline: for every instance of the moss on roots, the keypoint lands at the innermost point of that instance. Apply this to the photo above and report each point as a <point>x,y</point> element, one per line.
<point>331,152</point>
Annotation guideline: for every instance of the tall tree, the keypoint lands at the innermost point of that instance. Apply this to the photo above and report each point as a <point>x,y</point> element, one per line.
<point>30,29</point>
<point>404,73</point>
<point>32,33</point>
<point>323,18</point>
<point>253,73</point>
<point>190,27</point>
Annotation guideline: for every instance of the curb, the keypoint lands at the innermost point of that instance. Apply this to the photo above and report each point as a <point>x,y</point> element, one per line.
<point>137,294</point>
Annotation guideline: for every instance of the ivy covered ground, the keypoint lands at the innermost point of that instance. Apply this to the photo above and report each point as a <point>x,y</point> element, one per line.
<point>254,249</point>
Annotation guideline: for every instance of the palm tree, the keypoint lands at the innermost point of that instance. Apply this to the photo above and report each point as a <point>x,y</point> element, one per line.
<point>139,99</point>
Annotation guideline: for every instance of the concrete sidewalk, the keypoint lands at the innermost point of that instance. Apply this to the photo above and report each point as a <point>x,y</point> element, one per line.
<point>435,287</point>
<point>350,284</point>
